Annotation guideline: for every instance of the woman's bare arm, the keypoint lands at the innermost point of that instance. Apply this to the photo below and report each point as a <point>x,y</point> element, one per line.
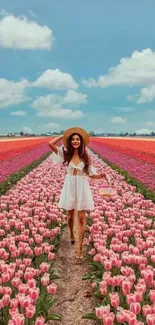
<point>98,176</point>
<point>53,142</point>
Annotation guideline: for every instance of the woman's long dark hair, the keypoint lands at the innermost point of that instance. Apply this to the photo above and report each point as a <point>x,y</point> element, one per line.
<point>68,154</point>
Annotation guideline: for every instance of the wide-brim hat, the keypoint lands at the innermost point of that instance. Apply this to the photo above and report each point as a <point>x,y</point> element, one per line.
<point>75,130</point>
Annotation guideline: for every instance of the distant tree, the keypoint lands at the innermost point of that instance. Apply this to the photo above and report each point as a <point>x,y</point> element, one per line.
<point>91,133</point>
<point>62,132</point>
<point>134,134</point>
<point>21,133</point>
<point>152,134</point>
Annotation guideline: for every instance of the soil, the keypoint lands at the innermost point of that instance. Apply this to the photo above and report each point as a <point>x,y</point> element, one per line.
<point>71,303</point>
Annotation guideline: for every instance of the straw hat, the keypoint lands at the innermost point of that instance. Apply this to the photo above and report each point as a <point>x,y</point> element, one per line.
<point>76,130</point>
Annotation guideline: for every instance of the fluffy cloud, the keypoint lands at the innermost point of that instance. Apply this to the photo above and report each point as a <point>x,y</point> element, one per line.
<point>133,71</point>
<point>143,131</point>
<point>22,33</point>
<point>75,98</point>
<point>12,93</point>
<point>150,123</point>
<point>26,129</point>
<point>118,120</point>
<point>136,70</point>
<point>51,126</point>
<point>90,83</point>
<point>146,95</point>
<point>19,113</point>
<point>51,106</point>
<point>3,12</point>
<point>55,79</point>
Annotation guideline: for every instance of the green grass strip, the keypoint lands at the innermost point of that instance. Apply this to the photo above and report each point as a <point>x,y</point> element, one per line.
<point>15,177</point>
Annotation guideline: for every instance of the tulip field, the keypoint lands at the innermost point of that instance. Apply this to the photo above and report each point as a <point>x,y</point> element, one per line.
<point>120,239</point>
<point>17,154</point>
<point>137,157</point>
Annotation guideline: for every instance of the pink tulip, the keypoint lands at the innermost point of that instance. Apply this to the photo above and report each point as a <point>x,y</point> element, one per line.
<point>146,310</point>
<point>108,319</point>
<point>40,321</point>
<point>14,303</point>
<point>45,281</point>
<point>5,277</point>
<point>6,300</point>
<point>150,319</point>
<point>114,299</point>
<point>30,311</point>
<point>18,320</point>
<point>51,256</point>
<point>135,308</point>
<point>31,283</point>
<point>38,251</point>
<point>34,293</point>
<point>107,265</point>
<point>102,310</point>
<point>6,291</point>
<point>44,267</point>
<point>126,287</point>
<point>152,296</point>
<point>139,296</point>
<point>52,288</point>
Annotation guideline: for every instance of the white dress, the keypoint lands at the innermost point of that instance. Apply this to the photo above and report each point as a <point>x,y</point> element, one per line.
<point>76,192</point>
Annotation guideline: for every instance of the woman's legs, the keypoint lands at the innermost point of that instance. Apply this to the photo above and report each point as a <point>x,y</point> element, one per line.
<point>82,226</point>
<point>71,225</point>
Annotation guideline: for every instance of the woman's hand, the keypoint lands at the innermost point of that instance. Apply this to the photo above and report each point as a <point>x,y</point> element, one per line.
<point>102,175</point>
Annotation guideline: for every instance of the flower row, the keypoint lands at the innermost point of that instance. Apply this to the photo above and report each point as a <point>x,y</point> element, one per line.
<point>121,244</point>
<point>13,165</point>
<point>131,152</point>
<point>139,145</point>
<point>143,172</point>
<point>30,228</point>
<point>16,151</point>
<point>12,145</point>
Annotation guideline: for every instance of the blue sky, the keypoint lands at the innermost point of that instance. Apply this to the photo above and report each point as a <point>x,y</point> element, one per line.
<point>77,63</point>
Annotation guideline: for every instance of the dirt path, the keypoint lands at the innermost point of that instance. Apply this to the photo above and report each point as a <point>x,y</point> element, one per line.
<point>70,301</point>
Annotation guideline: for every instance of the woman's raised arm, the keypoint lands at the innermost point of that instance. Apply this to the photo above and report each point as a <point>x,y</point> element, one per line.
<point>53,142</point>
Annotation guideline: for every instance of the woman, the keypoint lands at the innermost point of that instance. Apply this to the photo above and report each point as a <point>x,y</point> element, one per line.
<point>76,194</point>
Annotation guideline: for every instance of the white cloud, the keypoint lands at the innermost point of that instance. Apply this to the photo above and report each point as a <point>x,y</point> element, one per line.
<point>26,129</point>
<point>150,123</point>
<point>19,113</point>
<point>118,120</point>
<point>3,13</point>
<point>22,33</point>
<point>143,131</point>
<point>146,95</point>
<point>12,93</point>
<point>53,126</point>
<point>90,83</point>
<point>73,97</point>
<point>135,70</point>
<point>51,106</point>
<point>55,79</point>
